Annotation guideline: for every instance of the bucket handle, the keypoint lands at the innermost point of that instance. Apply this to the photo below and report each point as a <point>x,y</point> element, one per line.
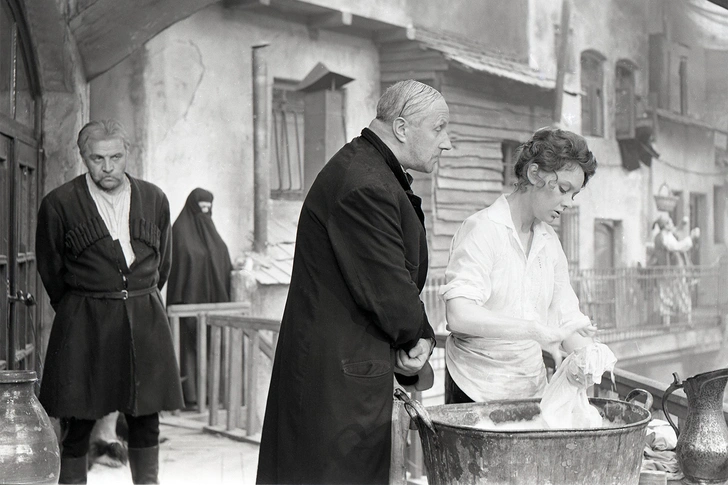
<point>415,409</point>
<point>676,384</point>
<point>636,392</point>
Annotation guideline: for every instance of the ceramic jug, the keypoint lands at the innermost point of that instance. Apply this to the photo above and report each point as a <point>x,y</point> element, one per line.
<point>28,445</point>
<point>702,438</point>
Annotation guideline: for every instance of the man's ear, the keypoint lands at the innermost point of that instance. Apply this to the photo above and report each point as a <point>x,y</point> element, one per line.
<point>399,129</point>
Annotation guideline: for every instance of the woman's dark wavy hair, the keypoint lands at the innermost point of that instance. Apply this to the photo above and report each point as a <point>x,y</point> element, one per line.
<point>552,149</point>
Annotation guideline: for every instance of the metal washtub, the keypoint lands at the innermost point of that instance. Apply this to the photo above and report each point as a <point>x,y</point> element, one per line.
<point>455,452</point>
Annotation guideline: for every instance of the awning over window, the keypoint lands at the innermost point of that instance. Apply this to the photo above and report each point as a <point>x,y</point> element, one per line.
<point>634,151</point>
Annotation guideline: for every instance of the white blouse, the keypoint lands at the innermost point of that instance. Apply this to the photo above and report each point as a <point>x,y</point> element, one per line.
<point>488,265</point>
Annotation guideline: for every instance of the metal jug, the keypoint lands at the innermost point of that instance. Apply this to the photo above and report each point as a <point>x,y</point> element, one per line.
<point>702,443</point>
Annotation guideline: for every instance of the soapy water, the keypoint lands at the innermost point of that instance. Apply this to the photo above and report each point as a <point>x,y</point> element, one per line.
<point>535,424</point>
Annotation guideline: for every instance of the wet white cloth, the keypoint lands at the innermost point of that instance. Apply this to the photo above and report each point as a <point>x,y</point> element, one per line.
<point>659,454</point>
<point>565,404</point>
<point>114,210</point>
<point>488,265</point>
<point>660,435</point>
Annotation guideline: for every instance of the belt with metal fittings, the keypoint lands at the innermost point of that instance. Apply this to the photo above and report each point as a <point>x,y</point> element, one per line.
<point>115,295</point>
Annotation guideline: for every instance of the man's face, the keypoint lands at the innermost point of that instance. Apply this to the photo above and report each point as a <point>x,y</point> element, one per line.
<point>106,162</point>
<point>426,140</point>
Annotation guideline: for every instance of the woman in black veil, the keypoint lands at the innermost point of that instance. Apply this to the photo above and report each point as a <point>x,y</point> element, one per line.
<point>200,274</point>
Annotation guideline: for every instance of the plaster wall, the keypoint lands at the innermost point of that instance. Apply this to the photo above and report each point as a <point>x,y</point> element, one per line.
<point>65,99</point>
<point>120,95</point>
<point>613,194</point>
<point>194,88</point>
<point>501,26</point>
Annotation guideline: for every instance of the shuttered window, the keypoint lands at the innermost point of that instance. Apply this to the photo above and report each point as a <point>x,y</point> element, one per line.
<point>592,97</point>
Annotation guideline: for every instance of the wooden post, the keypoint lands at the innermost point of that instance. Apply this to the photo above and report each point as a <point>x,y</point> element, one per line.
<point>226,365</point>
<point>174,322</point>
<point>251,387</point>
<point>201,361</point>
<point>400,431</point>
<point>215,357</point>
<point>416,456</point>
<point>261,154</point>
<point>236,377</point>
<point>561,54</point>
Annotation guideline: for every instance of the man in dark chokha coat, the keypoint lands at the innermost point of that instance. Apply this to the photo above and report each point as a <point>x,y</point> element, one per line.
<point>354,318</point>
<point>104,251</point>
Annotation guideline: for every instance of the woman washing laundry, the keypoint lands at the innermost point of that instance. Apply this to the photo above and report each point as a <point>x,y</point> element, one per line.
<point>507,291</point>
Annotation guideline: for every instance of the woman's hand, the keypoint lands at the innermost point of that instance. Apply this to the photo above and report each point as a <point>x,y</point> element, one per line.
<point>550,338</point>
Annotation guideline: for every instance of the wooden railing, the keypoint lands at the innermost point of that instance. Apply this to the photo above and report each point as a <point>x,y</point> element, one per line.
<point>201,312</point>
<point>626,302</point>
<point>236,346</point>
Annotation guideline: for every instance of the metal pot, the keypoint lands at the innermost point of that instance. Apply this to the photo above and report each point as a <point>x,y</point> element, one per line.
<point>455,451</point>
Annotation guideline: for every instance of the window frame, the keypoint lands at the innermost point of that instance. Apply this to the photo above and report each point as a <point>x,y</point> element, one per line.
<point>593,95</point>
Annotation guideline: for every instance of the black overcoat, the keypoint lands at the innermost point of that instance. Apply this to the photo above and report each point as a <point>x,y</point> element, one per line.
<point>359,266</point>
<point>106,354</point>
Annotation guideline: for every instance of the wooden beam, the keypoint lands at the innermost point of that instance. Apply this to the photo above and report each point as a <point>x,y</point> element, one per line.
<point>396,34</point>
<point>330,20</point>
<point>246,4</point>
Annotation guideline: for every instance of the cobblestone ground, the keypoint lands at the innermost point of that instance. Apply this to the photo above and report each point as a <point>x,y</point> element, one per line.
<point>189,456</point>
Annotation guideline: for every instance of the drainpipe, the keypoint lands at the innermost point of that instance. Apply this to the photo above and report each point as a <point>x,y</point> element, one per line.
<point>261,153</point>
<point>561,54</point>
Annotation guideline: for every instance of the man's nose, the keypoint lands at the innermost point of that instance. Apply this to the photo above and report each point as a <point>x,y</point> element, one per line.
<point>446,145</point>
<point>108,165</point>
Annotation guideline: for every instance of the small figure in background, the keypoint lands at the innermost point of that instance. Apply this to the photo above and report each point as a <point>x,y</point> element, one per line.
<point>673,286</point>
<point>200,273</point>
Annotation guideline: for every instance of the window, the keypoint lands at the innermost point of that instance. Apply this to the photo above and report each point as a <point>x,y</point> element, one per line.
<point>509,148</point>
<point>592,101</point>
<point>683,75</point>
<point>624,101</point>
<point>720,194</point>
<point>567,228</point>
<point>286,161</point>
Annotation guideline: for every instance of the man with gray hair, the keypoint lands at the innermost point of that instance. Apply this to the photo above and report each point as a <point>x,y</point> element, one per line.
<point>354,319</point>
<point>103,247</point>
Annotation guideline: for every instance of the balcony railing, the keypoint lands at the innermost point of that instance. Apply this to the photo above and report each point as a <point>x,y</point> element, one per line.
<point>633,302</point>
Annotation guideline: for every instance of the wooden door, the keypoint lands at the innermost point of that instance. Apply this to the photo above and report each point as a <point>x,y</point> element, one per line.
<point>19,181</point>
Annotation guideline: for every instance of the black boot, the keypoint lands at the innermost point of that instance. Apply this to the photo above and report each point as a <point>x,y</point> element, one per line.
<point>73,470</point>
<point>144,464</point>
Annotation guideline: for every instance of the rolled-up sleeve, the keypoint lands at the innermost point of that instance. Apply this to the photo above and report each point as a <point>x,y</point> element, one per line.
<point>468,272</point>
